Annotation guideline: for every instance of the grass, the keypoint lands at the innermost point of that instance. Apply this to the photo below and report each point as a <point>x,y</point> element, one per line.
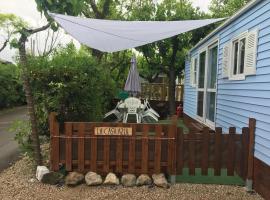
<point>223,179</point>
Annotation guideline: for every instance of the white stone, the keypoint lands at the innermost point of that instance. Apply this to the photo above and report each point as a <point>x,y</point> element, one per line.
<point>143,179</point>
<point>128,180</point>
<point>92,178</point>
<point>111,179</point>
<point>32,180</point>
<point>41,170</point>
<point>160,180</point>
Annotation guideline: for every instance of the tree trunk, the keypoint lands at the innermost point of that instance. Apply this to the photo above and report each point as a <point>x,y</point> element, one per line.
<point>172,78</point>
<point>29,100</point>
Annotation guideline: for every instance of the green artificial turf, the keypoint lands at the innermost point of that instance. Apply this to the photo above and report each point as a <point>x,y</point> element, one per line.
<point>223,179</point>
<point>180,123</point>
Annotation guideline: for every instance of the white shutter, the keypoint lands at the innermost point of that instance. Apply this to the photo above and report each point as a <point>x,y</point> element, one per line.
<point>226,60</point>
<point>192,72</point>
<point>251,53</point>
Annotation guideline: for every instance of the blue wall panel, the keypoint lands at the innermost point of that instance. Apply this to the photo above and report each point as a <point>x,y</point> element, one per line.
<point>239,100</point>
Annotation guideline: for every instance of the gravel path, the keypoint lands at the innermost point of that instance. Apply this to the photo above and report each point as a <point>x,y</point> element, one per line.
<point>15,184</point>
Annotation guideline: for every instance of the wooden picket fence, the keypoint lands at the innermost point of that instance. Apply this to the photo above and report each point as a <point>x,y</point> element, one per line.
<point>151,148</point>
<point>78,148</point>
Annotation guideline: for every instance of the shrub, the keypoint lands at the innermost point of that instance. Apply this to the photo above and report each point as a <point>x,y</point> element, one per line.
<point>11,90</point>
<point>22,132</point>
<point>72,84</point>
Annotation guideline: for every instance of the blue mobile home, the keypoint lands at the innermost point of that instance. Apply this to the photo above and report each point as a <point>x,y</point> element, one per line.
<point>227,76</point>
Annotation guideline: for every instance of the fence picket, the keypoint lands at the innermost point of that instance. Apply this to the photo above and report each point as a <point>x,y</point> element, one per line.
<point>93,158</point>
<point>217,163</point>
<point>119,152</point>
<point>106,154</point>
<point>131,150</point>
<point>158,129</point>
<point>81,147</point>
<point>244,153</point>
<point>231,152</point>
<point>68,155</point>
<point>144,166</point>
<point>179,151</point>
<point>205,148</point>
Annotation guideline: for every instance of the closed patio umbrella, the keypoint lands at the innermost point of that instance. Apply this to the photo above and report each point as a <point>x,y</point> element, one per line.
<point>133,84</point>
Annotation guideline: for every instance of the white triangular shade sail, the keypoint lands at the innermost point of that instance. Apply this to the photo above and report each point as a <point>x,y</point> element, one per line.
<point>113,35</point>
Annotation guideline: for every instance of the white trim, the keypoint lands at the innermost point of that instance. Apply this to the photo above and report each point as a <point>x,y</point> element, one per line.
<point>227,22</point>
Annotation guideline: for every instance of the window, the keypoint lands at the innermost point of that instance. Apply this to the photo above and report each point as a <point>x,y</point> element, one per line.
<point>193,71</point>
<point>239,56</point>
<point>239,48</point>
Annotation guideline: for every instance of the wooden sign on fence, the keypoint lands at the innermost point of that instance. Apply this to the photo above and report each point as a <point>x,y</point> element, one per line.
<point>126,131</point>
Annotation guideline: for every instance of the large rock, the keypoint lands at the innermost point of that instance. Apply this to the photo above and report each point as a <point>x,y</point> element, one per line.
<point>143,179</point>
<point>160,180</point>
<point>41,170</point>
<point>52,178</point>
<point>92,178</point>
<point>128,180</point>
<point>111,179</point>
<point>74,178</point>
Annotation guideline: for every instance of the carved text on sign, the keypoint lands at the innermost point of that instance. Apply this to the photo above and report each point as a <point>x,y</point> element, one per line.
<point>113,131</point>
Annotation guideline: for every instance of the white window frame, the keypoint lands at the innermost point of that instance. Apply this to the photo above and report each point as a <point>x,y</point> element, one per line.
<point>231,75</point>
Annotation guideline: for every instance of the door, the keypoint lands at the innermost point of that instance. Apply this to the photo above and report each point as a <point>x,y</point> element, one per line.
<point>201,85</point>
<point>206,91</point>
<point>211,85</point>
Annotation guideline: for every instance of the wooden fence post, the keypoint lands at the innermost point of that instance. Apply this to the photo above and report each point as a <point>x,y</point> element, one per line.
<point>54,131</point>
<point>252,127</point>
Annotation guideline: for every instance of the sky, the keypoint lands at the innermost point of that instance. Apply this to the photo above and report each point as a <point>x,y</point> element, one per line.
<point>26,9</point>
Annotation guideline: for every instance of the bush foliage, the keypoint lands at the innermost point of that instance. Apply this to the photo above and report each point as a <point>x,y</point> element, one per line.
<point>71,83</point>
<point>11,90</point>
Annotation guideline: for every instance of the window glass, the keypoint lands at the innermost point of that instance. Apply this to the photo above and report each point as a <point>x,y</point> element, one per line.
<point>211,106</point>
<point>200,103</point>
<point>242,55</point>
<point>202,69</point>
<point>235,57</point>
<point>212,72</point>
<point>195,70</point>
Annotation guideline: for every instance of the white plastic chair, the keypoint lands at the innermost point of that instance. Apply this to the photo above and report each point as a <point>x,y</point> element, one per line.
<point>133,106</point>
